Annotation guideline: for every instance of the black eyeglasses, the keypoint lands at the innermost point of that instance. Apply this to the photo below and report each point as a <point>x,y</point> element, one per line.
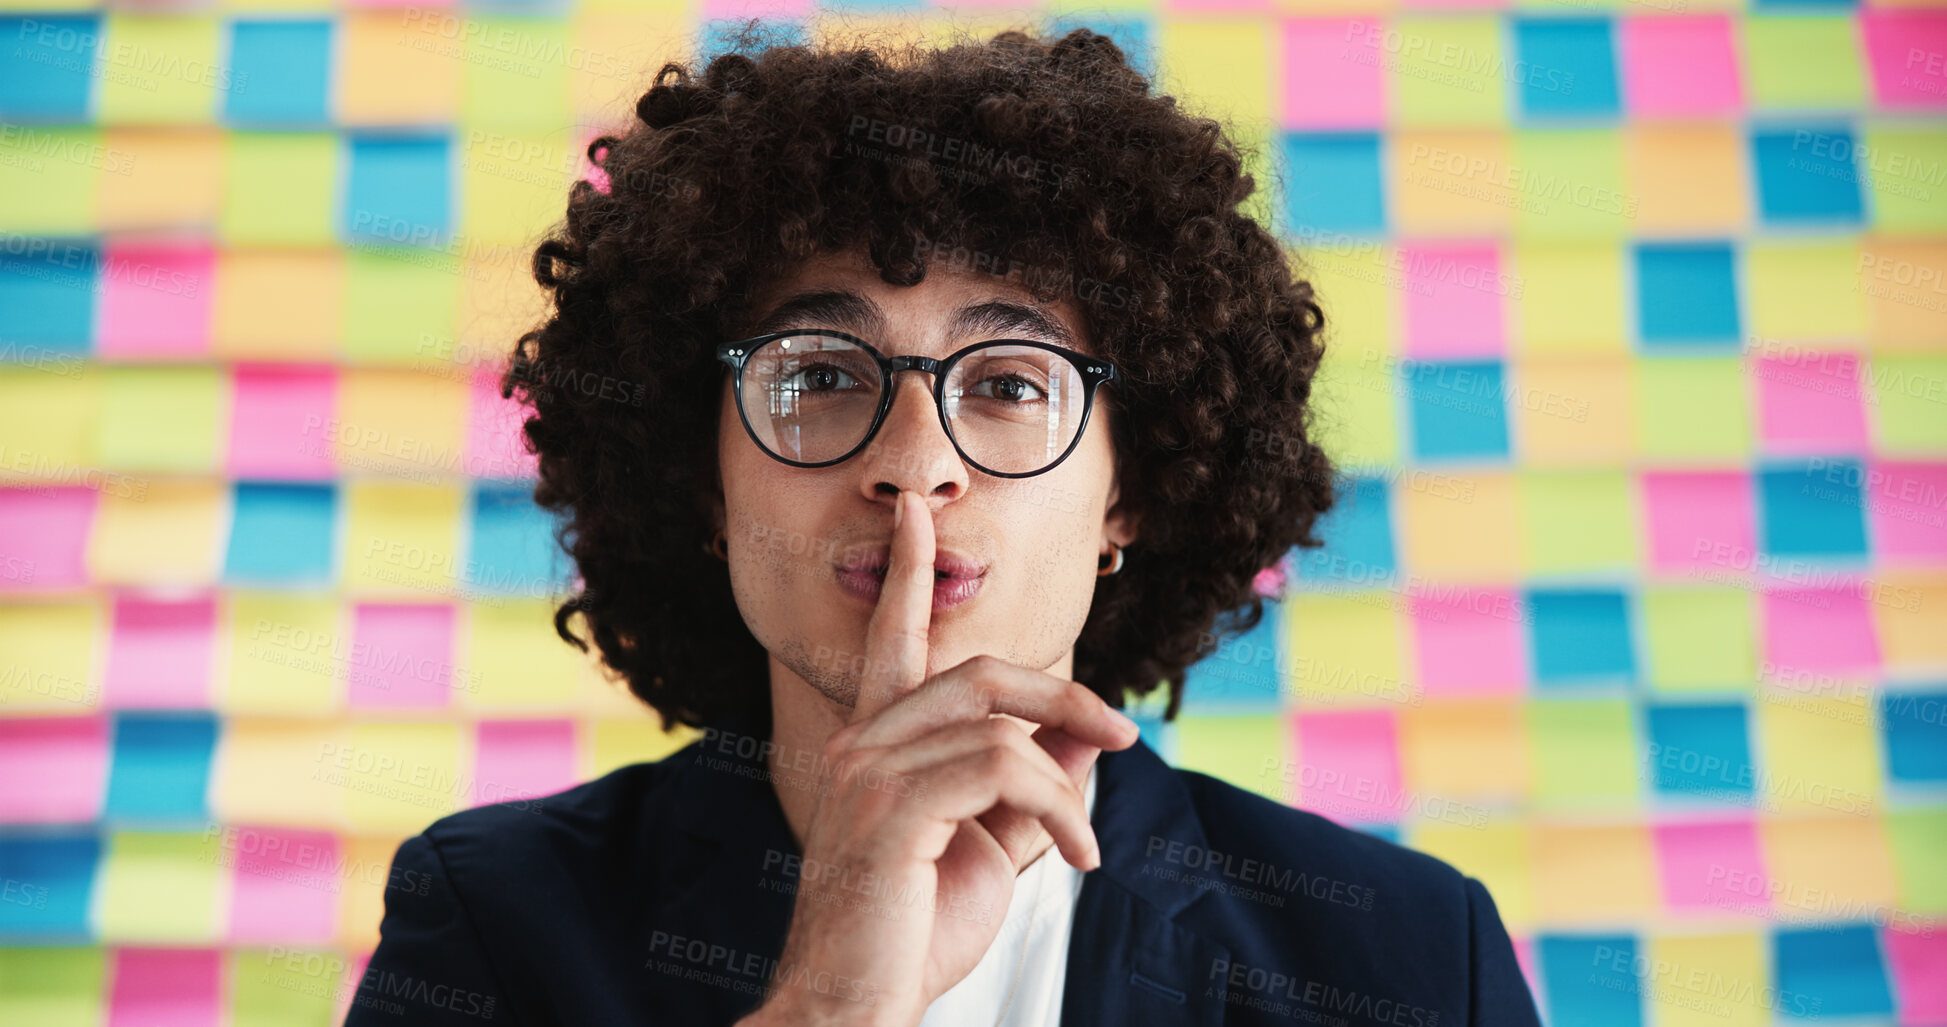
<point>1013,408</point>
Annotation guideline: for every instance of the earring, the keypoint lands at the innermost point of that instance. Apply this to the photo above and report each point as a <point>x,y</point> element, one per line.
<point>1115,562</point>
<point>718,546</point>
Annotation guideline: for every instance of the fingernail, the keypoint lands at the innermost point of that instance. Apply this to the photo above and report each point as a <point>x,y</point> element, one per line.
<point>898,509</point>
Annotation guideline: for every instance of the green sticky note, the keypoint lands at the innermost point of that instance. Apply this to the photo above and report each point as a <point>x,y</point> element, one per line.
<point>49,178</point>
<point>516,71</point>
<point>161,418</point>
<point>1449,71</point>
<point>1902,168</point>
<point>1578,521</point>
<point>279,188</point>
<point>1234,749</point>
<point>1803,60</point>
<point>401,305</point>
<point>1571,297</point>
<point>1917,837</point>
<point>1789,293</point>
<point>162,69</point>
<point>160,886</point>
<point>1910,402</point>
<point>53,987</point>
<point>1570,184</point>
<point>1700,639</point>
<point>287,987</point>
<point>1692,408</point>
<point>1354,409</point>
<point>513,183</point>
<point>1584,752</point>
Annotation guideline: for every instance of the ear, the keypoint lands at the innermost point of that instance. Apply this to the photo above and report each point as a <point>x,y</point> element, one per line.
<point>1121,520</point>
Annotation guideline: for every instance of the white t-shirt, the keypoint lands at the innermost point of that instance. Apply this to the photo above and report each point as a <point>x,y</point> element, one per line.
<point>978,998</point>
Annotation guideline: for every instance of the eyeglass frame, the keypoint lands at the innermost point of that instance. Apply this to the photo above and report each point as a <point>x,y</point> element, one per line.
<point>1094,372</point>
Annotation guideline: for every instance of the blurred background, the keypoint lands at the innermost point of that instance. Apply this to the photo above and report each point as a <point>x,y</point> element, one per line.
<point>1635,607</point>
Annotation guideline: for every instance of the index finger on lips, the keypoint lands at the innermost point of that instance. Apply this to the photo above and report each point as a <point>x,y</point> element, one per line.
<point>898,634</point>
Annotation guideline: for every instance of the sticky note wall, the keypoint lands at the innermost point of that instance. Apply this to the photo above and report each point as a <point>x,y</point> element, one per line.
<point>1634,605</point>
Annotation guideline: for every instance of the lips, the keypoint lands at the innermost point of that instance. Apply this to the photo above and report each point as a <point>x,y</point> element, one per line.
<point>947,564</point>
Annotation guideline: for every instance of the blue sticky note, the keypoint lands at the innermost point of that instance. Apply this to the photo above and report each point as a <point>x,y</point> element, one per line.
<point>1701,750</point>
<point>47,291</point>
<point>1132,34</point>
<point>719,35</point>
<point>1332,183</point>
<point>1590,980</point>
<point>1458,409</point>
<point>1358,535</point>
<point>513,549</point>
<point>1686,293</point>
<point>1581,637</point>
<point>47,66</point>
<point>1915,723</point>
<point>1379,829</point>
<point>1567,66</point>
<point>1813,509</point>
<point>161,769</point>
<point>1796,184</point>
<point>399,191</point>
<point>1241,676</point>
<point>1836,968</point>
<point>282,533</point>
<point>48,881</point>
<point>280,73</point>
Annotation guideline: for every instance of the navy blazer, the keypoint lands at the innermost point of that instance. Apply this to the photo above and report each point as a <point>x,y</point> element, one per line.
<point>661,893</point>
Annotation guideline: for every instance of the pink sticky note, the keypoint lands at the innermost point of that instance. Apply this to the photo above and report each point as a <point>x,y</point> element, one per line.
<point>1917,960</point>
<point>737,9</point>
<point>1202,6</point>
<point>520,759</point>
<point>44,537</point>
<point>161,652</point>
<point>1714,867</point>
<point>155,300</point>
<point>281,421</point>
<point>1683,65</point>
<point>1828,629</point>
<point>1331,73</point>
<point>1908,53</point>
<point>1908,502</point>
<point>1452,306</point>
<point>1699,520</point>
<point>1349,766</point>
<point>1810,404</point>
<point>401,655</point>
<point>495,448</point>
<point>1468,641</point>
<point>1524,957</point>
<point>285,890</point>
<point>166,988</point>
<point>53,770</point>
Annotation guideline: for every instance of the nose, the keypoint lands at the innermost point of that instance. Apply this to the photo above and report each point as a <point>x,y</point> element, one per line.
<point>911,451</point>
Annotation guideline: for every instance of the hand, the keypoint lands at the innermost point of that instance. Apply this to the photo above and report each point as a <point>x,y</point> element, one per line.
<point>933,808</point>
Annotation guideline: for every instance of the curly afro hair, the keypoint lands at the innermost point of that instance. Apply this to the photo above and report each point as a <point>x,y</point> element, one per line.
<point>1017,152</point>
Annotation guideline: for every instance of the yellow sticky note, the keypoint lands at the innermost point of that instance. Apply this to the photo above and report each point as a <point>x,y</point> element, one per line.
<point>54,985</point>
<point>49,415</point>
<point>1688,178</point>
<point>287,653</point>
<point>1909,391</point>
<point>287,987</point>
<point>1592,874</point>
<point>161,68</point>
<point>280,188</point>
<point>169,533</point>
<point>280,305</point>
<point>1906,198</point>
<point>621,741</point>
<point>1355,402</point>
<point>499,302</point>
<point>361,906</point>
<point>1571,297</point>
<point>399,67</point>
<point>163,418</point>
<point>515,658</point>
<point>1715,980</point>
<point>1818,752</point>
<point>1910,639</point>
<point>1496,854</point>
<point>1476,536</point>
<point>1451,183</point>
<point>1573,411</point>
<point>1692,409</point>
<point>160,178</point>
<point>399,421</point>
<point>1448,71</point>
<point>1571,184</point>
<point>1465,751</point>
<point>1828,867</point>
<point>516,72</point>
<point>514,180</point>
<point>401,776</point>
<point>278,773</point>
<point>1224,68</point>
<point>1699,638</point>
<point>160,887</point>
<point>1796,60</point>
<point>1584,753</point>
<point>1347,649</point>
<point>1579,521</point>
<point>1789,293</point>
<point>50,649</point>
<point>1358,284</point>
<point>402,538</point>
<point>49,179</point>
<point>400,305</point>
<point>1234,748</point>
<point>1903,281</point>
<point>620,49</point>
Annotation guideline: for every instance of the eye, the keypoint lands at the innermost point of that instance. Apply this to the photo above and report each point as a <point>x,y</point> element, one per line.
<point>818,378</point>
<point>1009,388</point>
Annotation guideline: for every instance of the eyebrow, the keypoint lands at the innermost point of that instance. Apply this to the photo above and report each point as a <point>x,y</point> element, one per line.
<point>851,312</point>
